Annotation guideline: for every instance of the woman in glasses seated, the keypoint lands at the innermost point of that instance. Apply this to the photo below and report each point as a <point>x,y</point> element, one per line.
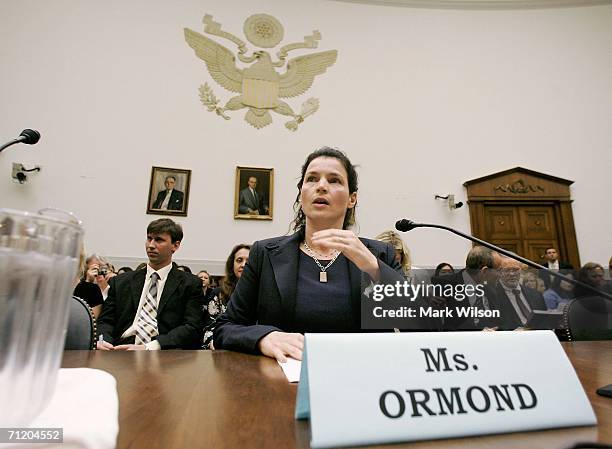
<point>309,281</point>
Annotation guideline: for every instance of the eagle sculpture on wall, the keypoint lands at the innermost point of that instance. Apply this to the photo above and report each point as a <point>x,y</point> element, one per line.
<point>259,86</point>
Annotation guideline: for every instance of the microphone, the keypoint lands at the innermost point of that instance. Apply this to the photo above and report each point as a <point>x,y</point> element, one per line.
<point>405,225</point>
<point>27,136</point>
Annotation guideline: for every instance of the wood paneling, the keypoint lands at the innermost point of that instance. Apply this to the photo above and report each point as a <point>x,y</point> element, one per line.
<point>524,210</point>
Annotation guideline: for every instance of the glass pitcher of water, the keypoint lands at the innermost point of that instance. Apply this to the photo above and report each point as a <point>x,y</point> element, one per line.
<point>38,265</point>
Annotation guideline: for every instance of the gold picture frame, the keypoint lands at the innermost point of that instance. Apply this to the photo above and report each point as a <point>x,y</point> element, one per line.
<point>253,198</point>
<point>178,201</point>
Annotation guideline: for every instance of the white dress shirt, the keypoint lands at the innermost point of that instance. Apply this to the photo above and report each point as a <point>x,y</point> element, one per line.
<point>164,204</point>
<point>163,276</point>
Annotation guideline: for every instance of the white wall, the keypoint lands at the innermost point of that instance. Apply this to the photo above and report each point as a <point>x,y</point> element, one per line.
<point>422,100</point>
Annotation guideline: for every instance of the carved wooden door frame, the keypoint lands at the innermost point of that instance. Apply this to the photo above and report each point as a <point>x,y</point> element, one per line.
<point>523,187</point>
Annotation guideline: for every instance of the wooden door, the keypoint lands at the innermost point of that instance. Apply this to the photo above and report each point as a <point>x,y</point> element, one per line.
<point>527,230</point>
<point>525,212</point>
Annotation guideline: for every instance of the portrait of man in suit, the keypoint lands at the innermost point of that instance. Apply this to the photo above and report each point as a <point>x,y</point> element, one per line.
<point>251,202</point>
<point>169,191</point>
<point>253,193</point>
<point>158,307</point>
<point>170,198</point>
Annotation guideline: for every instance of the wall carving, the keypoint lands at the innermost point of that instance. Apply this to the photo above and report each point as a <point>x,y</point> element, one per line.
<point>259,85</point>
<point>519,186</point>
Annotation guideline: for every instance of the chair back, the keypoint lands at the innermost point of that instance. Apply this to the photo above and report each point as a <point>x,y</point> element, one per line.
<point>81,332</point>
<point>589,318</point>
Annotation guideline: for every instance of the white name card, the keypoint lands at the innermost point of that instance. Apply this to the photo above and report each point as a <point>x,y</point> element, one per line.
<point>362,389</point>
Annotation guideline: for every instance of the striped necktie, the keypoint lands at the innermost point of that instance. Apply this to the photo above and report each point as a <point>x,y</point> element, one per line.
<point>146,325</point>
<point>521,305</point>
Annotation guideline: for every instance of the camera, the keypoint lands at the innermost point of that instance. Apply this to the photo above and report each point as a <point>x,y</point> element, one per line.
<point>102,271</point>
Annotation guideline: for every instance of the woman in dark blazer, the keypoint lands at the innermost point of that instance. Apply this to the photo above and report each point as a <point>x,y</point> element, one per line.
<point>310,281</point>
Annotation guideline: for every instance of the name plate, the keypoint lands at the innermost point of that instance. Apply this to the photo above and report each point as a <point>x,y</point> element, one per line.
<point>360,389</point>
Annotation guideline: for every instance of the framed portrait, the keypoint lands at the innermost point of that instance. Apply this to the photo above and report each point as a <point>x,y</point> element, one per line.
<point>169,191</point>
<point>254,193</point>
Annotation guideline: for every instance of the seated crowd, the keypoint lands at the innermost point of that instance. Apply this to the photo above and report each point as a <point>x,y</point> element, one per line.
<point>309,281</point>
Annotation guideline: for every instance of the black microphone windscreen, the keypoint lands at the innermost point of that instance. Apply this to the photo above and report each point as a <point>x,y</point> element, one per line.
<point>31,136</point>
<point>404,225</point>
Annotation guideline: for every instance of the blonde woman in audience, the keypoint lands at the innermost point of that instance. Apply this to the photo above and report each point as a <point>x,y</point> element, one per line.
<point>309,281</point>
<point>87,291</point>
<point>218,298</point>
<point>531,280</point>
<point>99,271</point>
<point>402,253</point>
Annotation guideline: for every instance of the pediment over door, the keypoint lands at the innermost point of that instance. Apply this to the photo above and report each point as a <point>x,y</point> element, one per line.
<point>518,183</point>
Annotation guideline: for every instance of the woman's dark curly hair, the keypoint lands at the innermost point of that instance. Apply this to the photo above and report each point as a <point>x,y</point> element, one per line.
<point>299,221</point>
<point>228,283</point>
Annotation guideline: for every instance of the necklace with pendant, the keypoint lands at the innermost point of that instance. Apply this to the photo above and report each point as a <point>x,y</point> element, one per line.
<point>323,273</point>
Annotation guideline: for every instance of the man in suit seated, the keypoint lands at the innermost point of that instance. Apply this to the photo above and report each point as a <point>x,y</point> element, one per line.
<point>553,263</point>
<point>251,202</point>
<point>478,271</point>
<point>159,307</point>
<point>515,302</point>
<point>169,199</point>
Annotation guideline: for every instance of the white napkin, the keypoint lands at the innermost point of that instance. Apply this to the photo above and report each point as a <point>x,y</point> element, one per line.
<point>292,369</point>
<point>85,404</point>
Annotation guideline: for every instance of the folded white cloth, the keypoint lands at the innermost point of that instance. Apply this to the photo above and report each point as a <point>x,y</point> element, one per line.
<point>85,404</point>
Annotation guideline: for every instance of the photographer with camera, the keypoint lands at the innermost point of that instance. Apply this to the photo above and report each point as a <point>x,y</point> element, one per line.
<point>99,271</point>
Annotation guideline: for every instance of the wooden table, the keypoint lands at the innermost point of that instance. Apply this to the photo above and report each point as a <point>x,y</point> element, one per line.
<point>221,399</point>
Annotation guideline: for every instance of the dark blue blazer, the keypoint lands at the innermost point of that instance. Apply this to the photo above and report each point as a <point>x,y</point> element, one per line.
<point>264,298</point>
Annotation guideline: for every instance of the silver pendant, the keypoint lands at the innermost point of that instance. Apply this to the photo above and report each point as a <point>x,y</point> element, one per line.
<point>322,276</point>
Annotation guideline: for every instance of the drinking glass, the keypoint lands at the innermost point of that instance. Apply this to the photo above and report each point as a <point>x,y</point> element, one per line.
<point>38,265</point>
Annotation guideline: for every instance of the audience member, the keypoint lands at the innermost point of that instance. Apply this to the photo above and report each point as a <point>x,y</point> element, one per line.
<point>99,271</point>
<point>156,308</point>
<point>206,285</point>
<point>560,292</point>
<point>217,301</point>
<point>514,301</point>
<point>402,253</point>
<point>124,270</point>
<point>87,291</point>
<point>309,281</point>
<point>184,268</point>
<point>529,278</point>
<point>591,274</point>
<point>443,269</point>
<point>479,270</point>
<point>553,263</point>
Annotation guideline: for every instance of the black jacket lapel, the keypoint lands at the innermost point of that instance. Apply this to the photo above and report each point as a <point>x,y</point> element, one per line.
<point>136,285</point>
<point>172,283</point>
<point>284,257</point>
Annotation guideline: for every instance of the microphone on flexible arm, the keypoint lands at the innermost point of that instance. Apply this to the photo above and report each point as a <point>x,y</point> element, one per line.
<point>405,225</point>
<point>27,136</point>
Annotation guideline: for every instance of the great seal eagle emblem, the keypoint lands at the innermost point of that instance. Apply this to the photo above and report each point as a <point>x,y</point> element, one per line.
<point>260,87</point>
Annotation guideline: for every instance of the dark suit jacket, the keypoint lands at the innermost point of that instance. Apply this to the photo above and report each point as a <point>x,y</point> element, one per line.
<point>179,314</point>
<point>563,267</point>
<point>509,319</point>
<point>246,202</point>
<point>264,298</point>
<point>453,304</point>
<point>175,203</point>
